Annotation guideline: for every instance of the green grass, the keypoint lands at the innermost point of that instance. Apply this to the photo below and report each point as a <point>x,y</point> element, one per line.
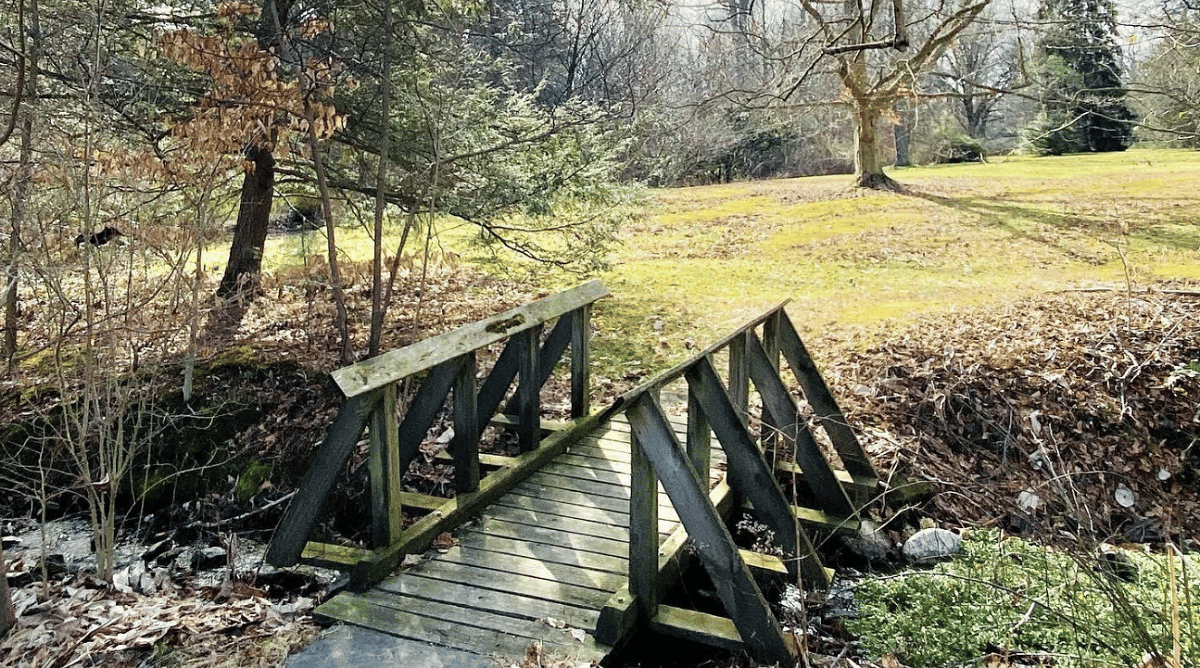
<point>962,236</point>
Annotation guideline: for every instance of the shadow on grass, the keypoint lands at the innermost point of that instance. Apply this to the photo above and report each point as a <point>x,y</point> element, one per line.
<point>1178,231</point>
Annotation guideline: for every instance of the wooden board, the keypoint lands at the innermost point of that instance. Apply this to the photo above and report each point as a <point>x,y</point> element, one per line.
<point>554,547</point>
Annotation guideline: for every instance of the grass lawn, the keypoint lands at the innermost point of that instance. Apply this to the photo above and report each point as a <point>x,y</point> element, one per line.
<point>706,258</point>
<point>702,260</point>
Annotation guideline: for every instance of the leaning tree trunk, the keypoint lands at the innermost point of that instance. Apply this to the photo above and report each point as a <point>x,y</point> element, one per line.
<point>868,158</point>
<point>250,232</point>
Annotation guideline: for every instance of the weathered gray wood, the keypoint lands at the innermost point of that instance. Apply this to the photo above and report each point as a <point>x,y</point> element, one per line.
<point>573,592</point>
<point>363,611</point>
<point>506,620</point>
<point>751,476</point>
<point>499,379</point>
<point>417,537</point>
<point>544,553</point>
<point>469,554</point>
<point>739,378</point>
<point>593,460</point>
<point>770,342</point>
<point>387,517</point>
<point>529,387</point>
<point>853,487</point>
<point>412,584</point>
<point>465,445</point>
<point>735,586</point>
<point>581,338</point>
<point>378,371</point>
<point>603,524</point>
<point>424,408</point>
<point>550,353</point>
<point>609,544</point>
<point>610,485</point>
<point>585,468</point>
<point>288,541</point>
<point>821,399</point>
<point>699,436</point>
<point>643,531</point>
<point>620,613</point>
<point>776,401</point>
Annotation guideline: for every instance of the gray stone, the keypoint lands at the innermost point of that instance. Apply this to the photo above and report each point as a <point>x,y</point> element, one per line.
<point>870,543</point>
<point>209,557</point>
<point>931,545</point>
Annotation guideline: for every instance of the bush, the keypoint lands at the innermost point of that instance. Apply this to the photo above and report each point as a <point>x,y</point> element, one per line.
<point>961,149</point>
<point>1051,134</point>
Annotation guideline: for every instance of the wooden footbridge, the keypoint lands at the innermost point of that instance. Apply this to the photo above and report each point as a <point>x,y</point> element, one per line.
<point>577,541</point>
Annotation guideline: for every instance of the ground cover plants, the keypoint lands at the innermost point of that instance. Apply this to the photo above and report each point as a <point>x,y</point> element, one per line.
<point>1010,601</point>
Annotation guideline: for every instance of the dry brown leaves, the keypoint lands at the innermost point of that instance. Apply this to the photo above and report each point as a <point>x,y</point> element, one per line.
<point>83,623</point>
<point>1068,399</point>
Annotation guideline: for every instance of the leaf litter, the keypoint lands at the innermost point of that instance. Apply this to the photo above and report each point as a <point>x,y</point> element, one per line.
<point>1075,413</point>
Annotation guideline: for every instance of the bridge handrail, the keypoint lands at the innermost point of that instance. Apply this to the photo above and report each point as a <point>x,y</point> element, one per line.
<point>718,407</point>
<point>371,391</point>
<point>373,374</point>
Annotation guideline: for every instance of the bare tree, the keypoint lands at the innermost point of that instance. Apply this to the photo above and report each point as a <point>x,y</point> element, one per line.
<point>979,69</point>
<point>859,38</point>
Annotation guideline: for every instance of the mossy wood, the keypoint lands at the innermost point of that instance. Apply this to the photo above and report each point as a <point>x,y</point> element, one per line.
<point>542,551</point>
<point>851,452</point>
<point>450,363</point>
<point>717,408</point>
<point>590,523</point>
<point>396,365</point>
<point>750,473</point>
<point>668,461</point>
<point>288,541</point>
<point>778,403</point>
<point>418,536</point>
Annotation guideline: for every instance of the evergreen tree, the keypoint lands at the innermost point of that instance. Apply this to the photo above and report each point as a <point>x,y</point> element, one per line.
<point>1083,100</point>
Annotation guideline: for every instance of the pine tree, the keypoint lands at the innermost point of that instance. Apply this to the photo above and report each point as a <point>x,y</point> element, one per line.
<point>1083,100</point>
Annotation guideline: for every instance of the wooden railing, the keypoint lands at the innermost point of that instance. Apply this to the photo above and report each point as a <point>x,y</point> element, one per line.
<point>371,395</point>
<point>719,407</point>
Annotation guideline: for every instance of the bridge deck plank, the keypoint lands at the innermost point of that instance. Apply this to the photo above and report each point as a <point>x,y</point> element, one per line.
<point>551,551</point>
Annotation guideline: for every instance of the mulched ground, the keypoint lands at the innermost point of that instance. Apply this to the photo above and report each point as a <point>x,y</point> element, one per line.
<point>1076,414</point>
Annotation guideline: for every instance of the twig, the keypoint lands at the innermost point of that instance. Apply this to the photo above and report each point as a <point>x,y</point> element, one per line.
<point>245,515</point>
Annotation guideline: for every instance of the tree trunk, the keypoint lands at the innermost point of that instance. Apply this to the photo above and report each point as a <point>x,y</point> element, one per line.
<point>378,307</point>
<point>250,232</point>
<point>8,614</point>
<point>902,131</point>
<point>22,182</point>
<point>868,160</point>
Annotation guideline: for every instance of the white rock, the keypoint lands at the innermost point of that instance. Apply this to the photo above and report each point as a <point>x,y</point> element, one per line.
<point>1028,501</point>
<point>1124,496</point>
<point>931,544</point>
